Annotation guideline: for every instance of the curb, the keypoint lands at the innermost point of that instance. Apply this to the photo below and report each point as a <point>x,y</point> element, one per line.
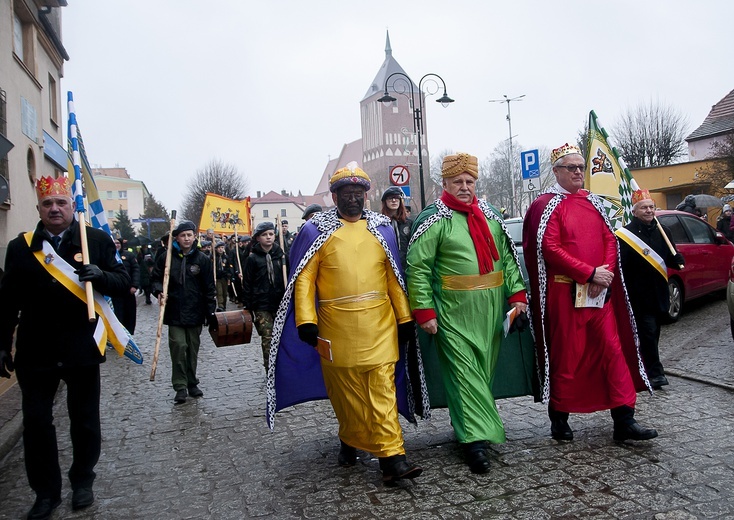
<point>10,434</point>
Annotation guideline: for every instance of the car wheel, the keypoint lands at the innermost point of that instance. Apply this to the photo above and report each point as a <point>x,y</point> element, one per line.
<point>676,299</point>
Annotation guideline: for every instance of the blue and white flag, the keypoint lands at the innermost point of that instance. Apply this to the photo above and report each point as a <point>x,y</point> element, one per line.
<point>79,164</point>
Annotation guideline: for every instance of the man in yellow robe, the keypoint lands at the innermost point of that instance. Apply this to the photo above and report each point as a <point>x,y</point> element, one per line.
<point>350,292</point>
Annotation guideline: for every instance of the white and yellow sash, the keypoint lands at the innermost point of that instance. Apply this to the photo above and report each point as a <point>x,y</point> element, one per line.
<point>108,327</point>
<point>643,249</point>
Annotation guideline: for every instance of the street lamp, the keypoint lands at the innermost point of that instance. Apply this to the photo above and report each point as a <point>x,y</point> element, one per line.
<point>509,123</point>
<point>399,86</point>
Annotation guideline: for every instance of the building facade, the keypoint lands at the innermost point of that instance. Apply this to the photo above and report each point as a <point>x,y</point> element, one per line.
<point>718,123</point>
<point>117,191</point>
<point>32,59</point>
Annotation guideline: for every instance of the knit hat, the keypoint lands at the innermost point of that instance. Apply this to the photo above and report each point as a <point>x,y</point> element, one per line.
<point>350,174</point>
<point>262,227</point>
<point>454,165</point>
<point>184,225</point>
<point>726,208</point>
<point>392,191</point>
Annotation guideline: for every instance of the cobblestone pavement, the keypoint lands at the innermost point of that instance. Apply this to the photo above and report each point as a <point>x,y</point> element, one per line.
<point>214,458</point>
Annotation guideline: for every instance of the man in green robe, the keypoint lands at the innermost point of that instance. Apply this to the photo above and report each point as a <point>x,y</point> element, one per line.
<point>462,267</point>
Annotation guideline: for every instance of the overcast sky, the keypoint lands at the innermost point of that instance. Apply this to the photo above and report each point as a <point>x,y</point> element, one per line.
<point>161,87</point>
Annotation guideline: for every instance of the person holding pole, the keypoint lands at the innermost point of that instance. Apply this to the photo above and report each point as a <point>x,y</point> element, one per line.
<point>189,303</point>
<point>42,294</point>
<point>263,283</point>
<point>646,256</point>
<point>223,273</point>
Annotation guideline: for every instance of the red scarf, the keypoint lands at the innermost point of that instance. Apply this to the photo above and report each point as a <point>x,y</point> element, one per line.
<point>478,229</point>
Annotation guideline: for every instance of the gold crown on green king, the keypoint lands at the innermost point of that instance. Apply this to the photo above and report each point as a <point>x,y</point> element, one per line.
<point>350,174</point>
<point>561,151</point>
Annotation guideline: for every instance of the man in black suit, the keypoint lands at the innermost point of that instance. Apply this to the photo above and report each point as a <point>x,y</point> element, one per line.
<point>42,294</point>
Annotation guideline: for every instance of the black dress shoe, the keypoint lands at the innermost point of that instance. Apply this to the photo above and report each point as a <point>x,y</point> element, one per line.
<point>180,396</point>
<point>347,455</point>
<point>633,432</point>
<point>81,498</point>
<point>560,430</point>
<point>658,381</point>
<point>396,468</point>
<point>42,508</point>
<point>195,391</point>
<point>475,454</point>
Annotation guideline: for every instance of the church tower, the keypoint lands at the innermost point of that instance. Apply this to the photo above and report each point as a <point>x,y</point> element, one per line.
<point>389,135</point>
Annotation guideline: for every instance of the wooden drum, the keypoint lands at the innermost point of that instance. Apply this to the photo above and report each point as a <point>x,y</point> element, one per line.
<point>233,328</point>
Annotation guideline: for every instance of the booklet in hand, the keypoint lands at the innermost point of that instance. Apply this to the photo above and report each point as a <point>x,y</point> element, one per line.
<point>323,347</point>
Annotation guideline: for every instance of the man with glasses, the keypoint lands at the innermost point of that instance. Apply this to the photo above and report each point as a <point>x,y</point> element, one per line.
<point>583,328</point>
<point>347,288</point>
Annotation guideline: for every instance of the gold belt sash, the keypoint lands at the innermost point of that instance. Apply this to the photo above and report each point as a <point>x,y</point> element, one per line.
<point>562,278</point>
<point>472,282</point>
<point>355,298</point>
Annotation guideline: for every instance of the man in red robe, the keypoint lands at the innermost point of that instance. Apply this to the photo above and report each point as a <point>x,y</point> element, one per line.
<point>587,355</point>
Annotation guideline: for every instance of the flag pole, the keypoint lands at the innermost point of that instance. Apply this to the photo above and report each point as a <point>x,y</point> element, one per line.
<point>162,309</point>
<point>282,246</point>
<point>79,202</point>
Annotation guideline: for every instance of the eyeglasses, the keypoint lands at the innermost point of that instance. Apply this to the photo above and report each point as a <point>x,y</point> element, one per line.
<point>573,167</point>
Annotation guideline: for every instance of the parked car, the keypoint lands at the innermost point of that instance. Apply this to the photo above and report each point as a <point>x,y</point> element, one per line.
<point>730,297</point>
<point>708,255</point>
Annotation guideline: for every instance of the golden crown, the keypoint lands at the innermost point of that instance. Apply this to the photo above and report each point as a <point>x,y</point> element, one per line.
<point>350,174</point>
<point>50,187</point>
<point>566,149</point>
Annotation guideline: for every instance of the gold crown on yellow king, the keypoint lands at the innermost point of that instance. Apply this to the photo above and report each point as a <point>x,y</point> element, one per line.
<point>566,149</point>
<point>50,187</point>
<point>350,174</point>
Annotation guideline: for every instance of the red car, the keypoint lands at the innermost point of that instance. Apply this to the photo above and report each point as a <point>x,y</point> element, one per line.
<point>708,255</point>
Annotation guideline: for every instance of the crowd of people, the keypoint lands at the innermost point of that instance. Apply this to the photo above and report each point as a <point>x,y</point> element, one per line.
<point>345,308</point>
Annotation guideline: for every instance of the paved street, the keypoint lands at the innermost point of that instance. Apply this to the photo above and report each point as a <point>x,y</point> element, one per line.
<point>215,457</point>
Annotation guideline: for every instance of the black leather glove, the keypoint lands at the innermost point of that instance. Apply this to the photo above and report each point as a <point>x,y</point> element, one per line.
<point>90,273</point>
<point>678,258</point>
<point>406,332</point>
<point>309,333</point>
<point>520,323</point>
<point>212,321</point>
<point>6,363</point>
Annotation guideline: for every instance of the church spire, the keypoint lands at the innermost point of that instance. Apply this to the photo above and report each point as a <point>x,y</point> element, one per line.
<point>388,49</point>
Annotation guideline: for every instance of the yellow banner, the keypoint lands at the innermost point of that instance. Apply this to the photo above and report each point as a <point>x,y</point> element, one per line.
<point>225,215</point>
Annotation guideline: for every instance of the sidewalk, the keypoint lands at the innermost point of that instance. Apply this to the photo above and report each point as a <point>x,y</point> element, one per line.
<point>214,458</point>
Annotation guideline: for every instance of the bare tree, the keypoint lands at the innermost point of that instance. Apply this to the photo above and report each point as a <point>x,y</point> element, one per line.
<point>651,135</point>
<point>218,178</point>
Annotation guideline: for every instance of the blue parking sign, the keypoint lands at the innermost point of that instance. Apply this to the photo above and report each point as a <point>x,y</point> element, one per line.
<point>530,164</point>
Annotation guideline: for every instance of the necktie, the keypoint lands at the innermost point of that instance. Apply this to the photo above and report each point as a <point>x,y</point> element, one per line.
<point>56,241</point>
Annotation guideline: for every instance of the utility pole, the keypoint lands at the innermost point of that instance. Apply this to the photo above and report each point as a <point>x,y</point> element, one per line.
<point>508,100</point>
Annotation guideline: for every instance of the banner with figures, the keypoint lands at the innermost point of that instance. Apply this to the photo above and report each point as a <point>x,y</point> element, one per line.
<point>225,215</point>
<point>607,174</point>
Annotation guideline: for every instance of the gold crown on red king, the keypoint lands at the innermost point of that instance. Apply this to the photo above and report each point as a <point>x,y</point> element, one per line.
<point>50,187</point>
<point>566,149</point>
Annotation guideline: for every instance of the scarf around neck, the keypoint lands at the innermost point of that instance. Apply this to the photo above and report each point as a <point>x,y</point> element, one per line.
<point>478,230</point>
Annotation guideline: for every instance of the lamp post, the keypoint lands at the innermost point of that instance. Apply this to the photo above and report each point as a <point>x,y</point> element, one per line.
<point>509,123</point>
<point>402,84</point>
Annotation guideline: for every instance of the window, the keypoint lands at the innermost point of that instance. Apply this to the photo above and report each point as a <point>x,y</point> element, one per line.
<point>23,40</point>
<point>109,194</point>
<point>4,131</point>
<point>265,213</point>
<point>31,165</point>
<point>676,228</point>
<point>700,230</point>
<point>282,213</point>
<point>28,120</point>
<point>122,194</point>
<point>53,100</point>
<point>110,213</point>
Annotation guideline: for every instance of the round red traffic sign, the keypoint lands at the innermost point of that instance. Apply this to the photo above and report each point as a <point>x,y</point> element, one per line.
<point>399,175</point>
